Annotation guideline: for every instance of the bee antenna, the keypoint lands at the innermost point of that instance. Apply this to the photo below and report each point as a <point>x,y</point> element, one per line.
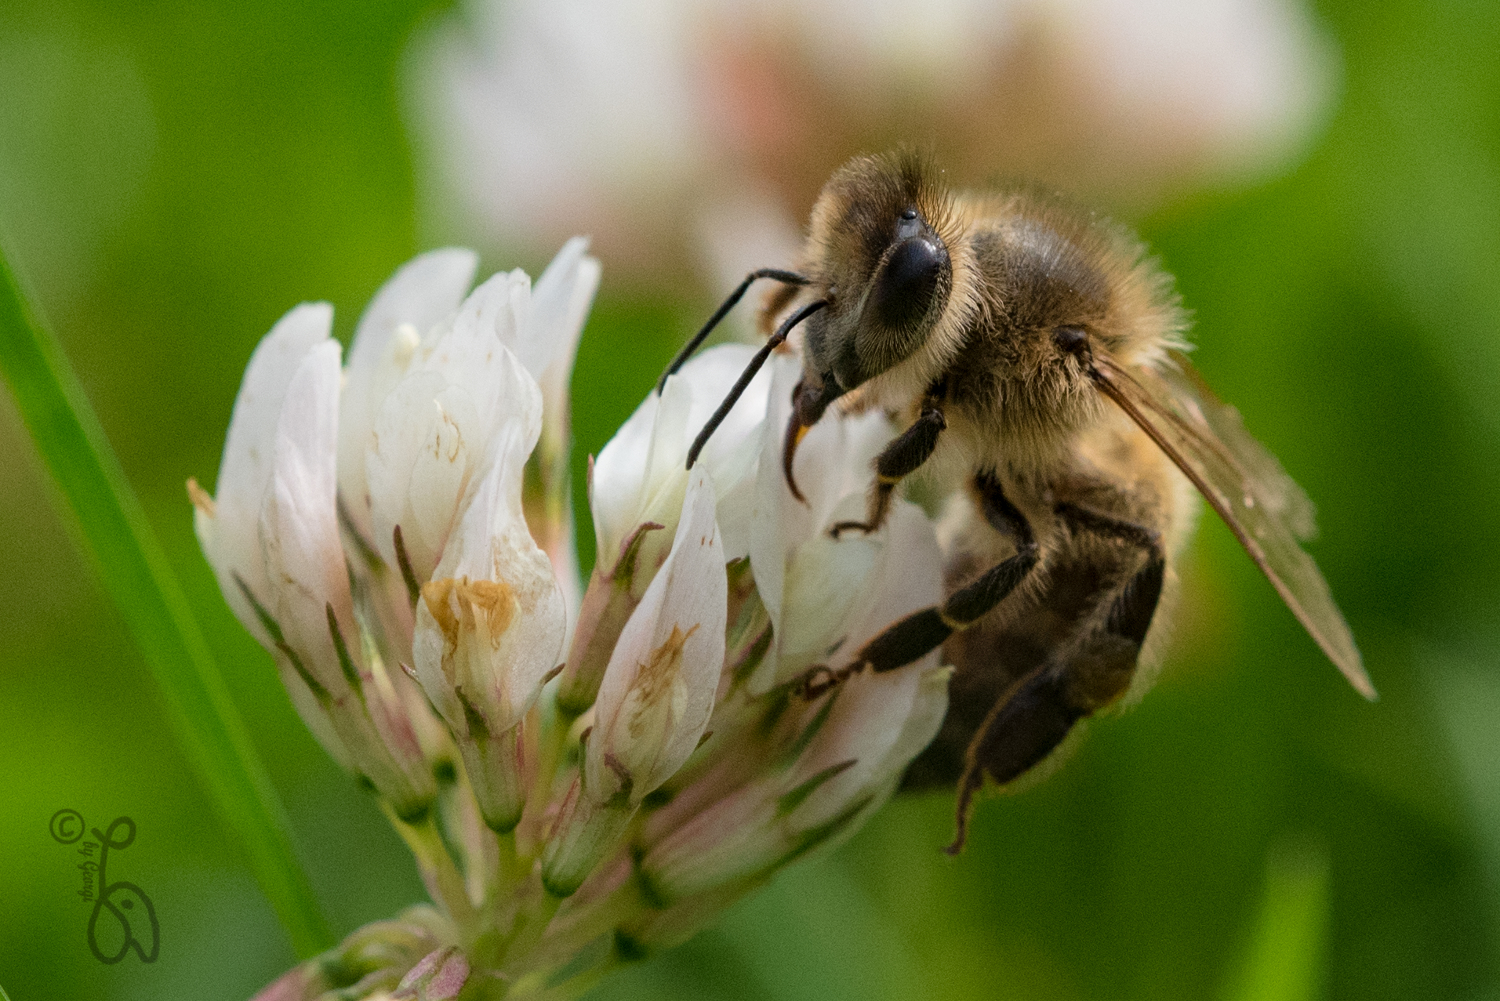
<point>743,381</point>
<point>786,277</point>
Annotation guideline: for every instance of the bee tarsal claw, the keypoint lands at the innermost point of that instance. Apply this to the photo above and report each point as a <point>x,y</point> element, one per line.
<point>821,680</point>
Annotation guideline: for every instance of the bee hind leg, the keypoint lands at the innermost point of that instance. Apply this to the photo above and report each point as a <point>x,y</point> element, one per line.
<point>1028,722</point>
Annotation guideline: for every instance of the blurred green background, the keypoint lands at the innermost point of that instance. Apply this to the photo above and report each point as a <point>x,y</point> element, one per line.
<point>174,176</point>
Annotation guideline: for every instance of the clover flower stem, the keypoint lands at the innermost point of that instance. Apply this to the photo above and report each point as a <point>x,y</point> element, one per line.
<point>582,926</point>
<point>551,747</point>
<point>532,924</point>
<point>552,726</point>
<point>474,846</point>
<point>439,873</point>
<point>579,985</point>
<point>575,986</point>
<point>513,868</point>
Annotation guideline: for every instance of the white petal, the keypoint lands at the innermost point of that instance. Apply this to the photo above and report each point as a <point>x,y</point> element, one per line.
<point>548,346</point>
<point>908,577</point>
<point>780,521</point>
<point>503,674</point>
<point>421,294</point>
<point>618,476</point>
<point>840,461</point>
<point>473,353</point>
<point>833,465</point>
<point>653,705</point>
<point>639,474</point>
<point>232,546</point>
<point>711,374</point>
<point>559,303</point>
<point>633,485</point>
<point>419,467</point>
<point>299,531</point>
<point>827,582</point>
<point>433,440</point>
<point>880,722</point>
<point>732,455</point>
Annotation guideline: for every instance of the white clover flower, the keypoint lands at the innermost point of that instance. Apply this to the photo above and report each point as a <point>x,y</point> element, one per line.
<point>272,537</point>
<point>342,499</point>
<point>540,117</point>
<point>798,565</point>
<point>378,530</point>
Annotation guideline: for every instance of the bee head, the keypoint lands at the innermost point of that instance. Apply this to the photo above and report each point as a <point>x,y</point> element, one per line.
<point>877,254</point>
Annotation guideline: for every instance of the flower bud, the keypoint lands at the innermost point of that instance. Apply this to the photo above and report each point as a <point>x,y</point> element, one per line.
<point>490,627</point>
<point>855,749</point>
<point>439,976</point>
<point>370,963</point>
<point>606,608</point>
<point>659,687</point>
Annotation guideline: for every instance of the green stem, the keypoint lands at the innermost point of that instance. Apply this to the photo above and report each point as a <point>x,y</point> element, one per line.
<point>580,927</point>
<point>108,525</point>
<point>439,872</point>
<point>578,985</point>
<point>512,868</point>
<point>552,724</point>
<point>531,926</point>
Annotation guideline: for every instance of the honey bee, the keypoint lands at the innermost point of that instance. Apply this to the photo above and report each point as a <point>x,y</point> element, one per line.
<point>1031,355</point>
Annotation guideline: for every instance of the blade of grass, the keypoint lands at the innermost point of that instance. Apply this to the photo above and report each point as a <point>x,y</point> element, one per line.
<point>1284,957</point>
<point>112,530</point>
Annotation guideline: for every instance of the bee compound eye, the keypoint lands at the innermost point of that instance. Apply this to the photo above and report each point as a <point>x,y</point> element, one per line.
<point>1071,340</point>
<point>904,290</point>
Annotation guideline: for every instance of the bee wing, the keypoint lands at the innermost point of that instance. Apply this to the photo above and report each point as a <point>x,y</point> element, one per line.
<point>1244,483</point>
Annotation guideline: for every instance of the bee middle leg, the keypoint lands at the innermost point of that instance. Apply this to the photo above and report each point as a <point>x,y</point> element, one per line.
<point>923,631</point>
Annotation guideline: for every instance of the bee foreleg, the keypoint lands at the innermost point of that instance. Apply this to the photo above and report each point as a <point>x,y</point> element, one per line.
<point>896,461</point>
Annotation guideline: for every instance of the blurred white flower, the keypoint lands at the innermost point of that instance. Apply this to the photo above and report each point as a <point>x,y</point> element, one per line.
<point>667,127</point>
<point>378,528</point>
